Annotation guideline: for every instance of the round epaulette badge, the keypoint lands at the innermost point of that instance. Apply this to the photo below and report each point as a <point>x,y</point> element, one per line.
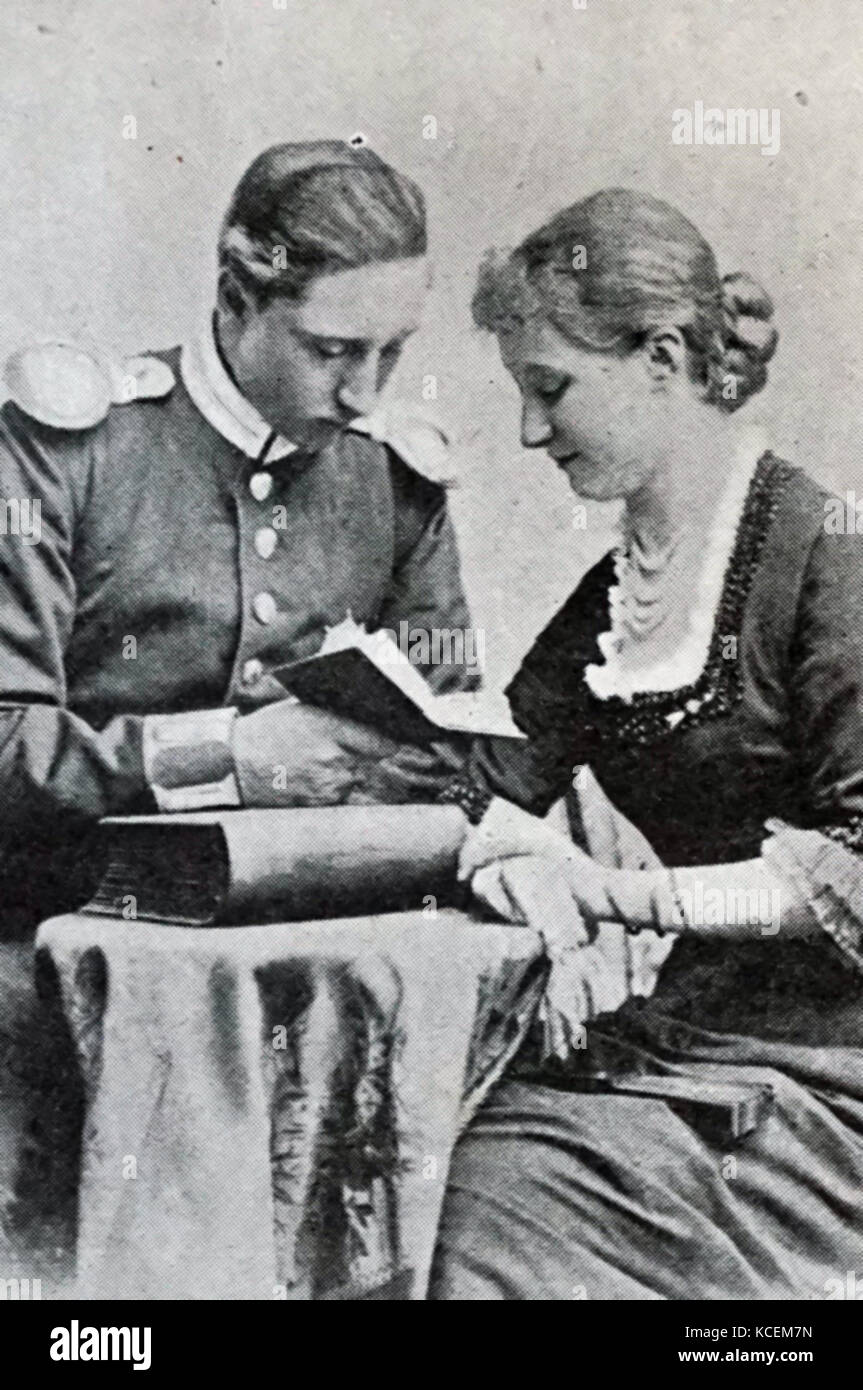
<point>59,384</point>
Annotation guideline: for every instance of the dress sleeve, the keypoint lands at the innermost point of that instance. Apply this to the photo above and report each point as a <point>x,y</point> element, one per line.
<point>546,703</point>
<point>533,775</point>
<point>824,860</point>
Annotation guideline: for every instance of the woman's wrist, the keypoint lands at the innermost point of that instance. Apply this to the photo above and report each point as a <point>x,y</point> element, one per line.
<point>645,900</point>
<point>473,798</point>
<point>641,899</point>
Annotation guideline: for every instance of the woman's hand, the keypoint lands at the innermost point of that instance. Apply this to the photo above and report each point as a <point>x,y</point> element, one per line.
<point>506,834</point>
<point>586,977</point>
<point>506,831</point>
<point>534,891</point>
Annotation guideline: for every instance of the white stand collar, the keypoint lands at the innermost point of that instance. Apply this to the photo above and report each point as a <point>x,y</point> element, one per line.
<point>220,402</point>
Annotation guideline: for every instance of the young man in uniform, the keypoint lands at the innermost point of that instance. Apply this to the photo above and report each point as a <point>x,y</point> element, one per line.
<point>205,514</point>
<point>200,517</point>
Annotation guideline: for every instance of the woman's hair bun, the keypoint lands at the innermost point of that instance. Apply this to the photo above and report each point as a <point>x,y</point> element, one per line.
<point>749,336</point>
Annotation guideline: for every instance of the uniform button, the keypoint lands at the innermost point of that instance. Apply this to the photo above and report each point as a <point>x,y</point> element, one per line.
<point>265,542</point>
<point>252,671</point>
<point>261,485</point>
<point>264,607</point>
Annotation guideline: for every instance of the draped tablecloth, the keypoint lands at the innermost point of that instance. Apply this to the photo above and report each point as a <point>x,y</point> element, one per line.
<point>269,1111</point>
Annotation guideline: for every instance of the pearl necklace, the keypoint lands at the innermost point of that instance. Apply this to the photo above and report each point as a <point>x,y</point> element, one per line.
<point>646,589</point>
<point>685,592</point>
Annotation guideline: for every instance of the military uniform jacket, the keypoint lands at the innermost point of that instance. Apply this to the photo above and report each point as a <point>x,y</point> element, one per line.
<point>173,569</point>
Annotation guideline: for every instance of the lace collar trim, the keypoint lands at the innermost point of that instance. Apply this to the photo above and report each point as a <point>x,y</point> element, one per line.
<point>651,714</point>
<point>683,668</point>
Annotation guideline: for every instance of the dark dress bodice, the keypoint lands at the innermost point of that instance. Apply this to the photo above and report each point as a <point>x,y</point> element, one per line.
<point>773,728</point>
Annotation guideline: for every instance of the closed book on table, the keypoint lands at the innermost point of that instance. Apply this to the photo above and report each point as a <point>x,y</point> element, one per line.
<point>205,869</point>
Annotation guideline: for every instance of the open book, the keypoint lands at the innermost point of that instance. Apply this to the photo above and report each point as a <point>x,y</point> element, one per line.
<point>364,676</point>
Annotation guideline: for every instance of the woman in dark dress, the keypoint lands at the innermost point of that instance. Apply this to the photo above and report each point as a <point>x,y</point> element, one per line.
<point>709,674</point>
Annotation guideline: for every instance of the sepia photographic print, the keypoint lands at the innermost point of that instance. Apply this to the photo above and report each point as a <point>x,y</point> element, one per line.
<point>431,663</point>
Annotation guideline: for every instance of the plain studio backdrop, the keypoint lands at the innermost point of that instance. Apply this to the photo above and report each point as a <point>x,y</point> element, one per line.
<point>534,103</point>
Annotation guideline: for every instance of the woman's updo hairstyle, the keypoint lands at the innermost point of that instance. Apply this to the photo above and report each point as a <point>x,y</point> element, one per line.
<point>315,208</point>
<point>614,267</point>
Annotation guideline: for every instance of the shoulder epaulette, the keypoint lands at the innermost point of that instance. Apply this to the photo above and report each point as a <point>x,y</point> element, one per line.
<point>417,439</point>
<point>71,387</point>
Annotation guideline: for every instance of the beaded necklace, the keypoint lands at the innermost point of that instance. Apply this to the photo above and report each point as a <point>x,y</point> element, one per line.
<point>647,592</point>
<point>662,610</point>
<point>650,714</point>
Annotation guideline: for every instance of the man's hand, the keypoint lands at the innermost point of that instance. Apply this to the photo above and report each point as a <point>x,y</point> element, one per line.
<point>411,774</point>
<point>288,754</point>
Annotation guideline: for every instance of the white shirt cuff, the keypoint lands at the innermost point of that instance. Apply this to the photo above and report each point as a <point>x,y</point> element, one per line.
<point>202,734</point>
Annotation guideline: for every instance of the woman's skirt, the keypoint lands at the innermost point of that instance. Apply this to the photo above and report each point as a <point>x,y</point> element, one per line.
<point>556,1194</point>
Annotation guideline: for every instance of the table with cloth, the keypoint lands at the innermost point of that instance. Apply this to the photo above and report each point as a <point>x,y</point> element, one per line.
<point>268,1111</point>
